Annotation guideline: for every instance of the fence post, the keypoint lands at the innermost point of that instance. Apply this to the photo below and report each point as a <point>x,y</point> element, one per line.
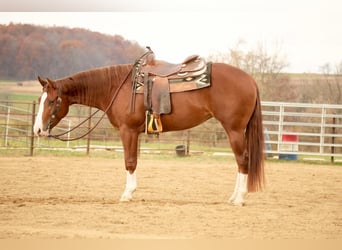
<point>332,160</point>
<point>7,125</point>
<point>89,127</point>
<point>188,142</point>
<point>32,133</point>
<point>321,141</point>
<point>280,127</point>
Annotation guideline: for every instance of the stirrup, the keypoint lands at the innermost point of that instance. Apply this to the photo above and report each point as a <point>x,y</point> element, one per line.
<point>153,125</point>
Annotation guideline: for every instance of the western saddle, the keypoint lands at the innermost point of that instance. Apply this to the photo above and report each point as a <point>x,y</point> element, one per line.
<point>154,79</point>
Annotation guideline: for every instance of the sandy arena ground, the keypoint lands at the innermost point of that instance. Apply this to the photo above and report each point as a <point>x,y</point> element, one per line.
<point>78,197</point>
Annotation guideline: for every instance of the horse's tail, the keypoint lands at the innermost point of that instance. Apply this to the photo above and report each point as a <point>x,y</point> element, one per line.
<point>255,147</point>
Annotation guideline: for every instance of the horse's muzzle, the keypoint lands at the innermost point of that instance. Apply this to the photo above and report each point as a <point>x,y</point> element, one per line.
<point>39,133</point>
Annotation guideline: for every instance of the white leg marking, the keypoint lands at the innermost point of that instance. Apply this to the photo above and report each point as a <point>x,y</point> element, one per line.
<point>38,124</point>
<point>233,197</point>
<point>240,190</point>
<point>131,185</point>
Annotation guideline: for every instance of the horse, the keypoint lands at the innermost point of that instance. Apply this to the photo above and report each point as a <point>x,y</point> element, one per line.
<point>232,99</point>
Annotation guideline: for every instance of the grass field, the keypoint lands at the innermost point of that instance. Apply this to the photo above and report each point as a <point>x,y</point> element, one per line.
<point>29,91</point>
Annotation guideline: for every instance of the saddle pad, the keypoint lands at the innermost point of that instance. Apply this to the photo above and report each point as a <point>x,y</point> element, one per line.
<point>187,83</point>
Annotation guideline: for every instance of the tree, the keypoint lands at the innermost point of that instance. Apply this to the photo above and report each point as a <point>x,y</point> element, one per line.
<point>332,81</point>
<point>27,51</point>
<point>263,65</point>
<point>8,47</point>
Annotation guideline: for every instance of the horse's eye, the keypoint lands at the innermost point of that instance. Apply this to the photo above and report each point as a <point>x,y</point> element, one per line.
<point>51,102</point>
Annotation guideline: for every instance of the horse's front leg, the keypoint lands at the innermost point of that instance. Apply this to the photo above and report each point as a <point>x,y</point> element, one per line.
<point>130,143</point>
<point>131,185</point>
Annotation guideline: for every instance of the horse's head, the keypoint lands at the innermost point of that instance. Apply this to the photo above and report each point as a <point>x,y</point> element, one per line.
<point>52,107</point>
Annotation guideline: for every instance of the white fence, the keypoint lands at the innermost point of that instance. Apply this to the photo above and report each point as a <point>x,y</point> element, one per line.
<point>16,124</point>
<point>303,129</point>
<point>291,129</point>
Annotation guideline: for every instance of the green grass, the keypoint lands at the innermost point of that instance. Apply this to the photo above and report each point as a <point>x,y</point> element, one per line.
<point>23,97</point>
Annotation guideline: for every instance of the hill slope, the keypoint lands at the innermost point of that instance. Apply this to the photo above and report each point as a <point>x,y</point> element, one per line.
<point>27,51</point>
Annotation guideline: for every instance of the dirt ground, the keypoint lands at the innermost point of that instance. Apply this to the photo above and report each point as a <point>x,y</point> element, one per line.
<point>78,197</point>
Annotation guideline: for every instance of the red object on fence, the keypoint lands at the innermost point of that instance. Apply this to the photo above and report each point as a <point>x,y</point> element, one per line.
<point>289,138</point>
<point>290,144</point>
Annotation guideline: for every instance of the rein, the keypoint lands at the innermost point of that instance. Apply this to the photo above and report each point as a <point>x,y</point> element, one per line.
<point>59,100</point>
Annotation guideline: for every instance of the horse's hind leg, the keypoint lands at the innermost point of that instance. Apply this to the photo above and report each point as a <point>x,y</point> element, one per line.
<point>238,145</point>
<point>130,144</point>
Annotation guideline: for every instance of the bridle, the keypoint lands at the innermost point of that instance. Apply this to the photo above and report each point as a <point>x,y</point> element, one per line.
<point>58,101</point>
<point>58,105</point>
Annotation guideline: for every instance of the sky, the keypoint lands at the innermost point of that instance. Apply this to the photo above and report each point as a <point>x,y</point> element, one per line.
<point>307,32</point>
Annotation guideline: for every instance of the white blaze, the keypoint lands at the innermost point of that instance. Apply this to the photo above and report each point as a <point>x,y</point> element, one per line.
<point>38,125</point>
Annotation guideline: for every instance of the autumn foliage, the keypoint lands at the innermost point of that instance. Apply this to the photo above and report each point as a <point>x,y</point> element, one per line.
<point>27,51</point>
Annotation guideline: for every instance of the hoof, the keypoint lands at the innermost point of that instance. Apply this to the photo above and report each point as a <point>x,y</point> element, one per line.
<point>231,199</point>
<point>127,195</point>
<point>125,199</point>
<point>238,203</point>
<point>238,199</point>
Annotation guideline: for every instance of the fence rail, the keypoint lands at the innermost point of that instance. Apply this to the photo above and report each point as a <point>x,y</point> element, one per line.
<point>316,129</point>
<point>291,129</point>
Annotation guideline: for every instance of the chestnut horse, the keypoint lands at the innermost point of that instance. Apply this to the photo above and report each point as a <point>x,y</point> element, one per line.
<point>232,99</point>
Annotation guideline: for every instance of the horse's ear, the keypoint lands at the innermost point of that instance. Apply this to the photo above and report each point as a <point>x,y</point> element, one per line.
<point>51,82</point>
<point>42,82</point>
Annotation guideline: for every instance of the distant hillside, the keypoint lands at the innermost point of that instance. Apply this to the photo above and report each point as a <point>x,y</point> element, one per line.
<point>27,51</point>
